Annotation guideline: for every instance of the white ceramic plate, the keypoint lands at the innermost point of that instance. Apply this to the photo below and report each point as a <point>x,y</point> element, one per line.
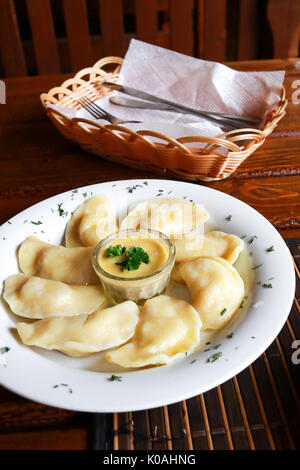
<point>54,379</point>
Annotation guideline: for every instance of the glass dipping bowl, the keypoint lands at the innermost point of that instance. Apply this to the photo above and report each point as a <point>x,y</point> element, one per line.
<point>138,289</point>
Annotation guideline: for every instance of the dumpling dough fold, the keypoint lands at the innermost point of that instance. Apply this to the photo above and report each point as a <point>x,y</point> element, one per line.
<point>168,329</point>
<point>216,243</point>
<point>91,222</point>
<point>194,245</point>
<point>70,265</point>
<point>35,297</point>
<point>216,289</point>
<point>172,216</point>
<point>81,335</point>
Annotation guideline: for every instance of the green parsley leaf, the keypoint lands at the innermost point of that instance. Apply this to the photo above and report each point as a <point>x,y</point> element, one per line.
<point>214,357</point>
<point>113,251</point>
<point>271,248</point>
<point>228,218</point>
<point>256,267</point>
<point>61,211</point>
<point>223,311</point>
<point>115,378</point>
<point>4,350</point>
<point>252,239</point>
<point>134,257</point>
<point>36,223</point>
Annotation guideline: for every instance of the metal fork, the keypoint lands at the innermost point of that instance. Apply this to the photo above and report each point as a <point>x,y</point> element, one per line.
<point>99,113</point>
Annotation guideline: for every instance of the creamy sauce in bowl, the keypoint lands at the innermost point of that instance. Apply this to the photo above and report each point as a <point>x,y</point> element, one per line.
<point>134,265</point>
<point>156,251</point>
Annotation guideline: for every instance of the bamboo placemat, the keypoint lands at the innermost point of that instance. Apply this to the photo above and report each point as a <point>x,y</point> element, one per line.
<point>257,409</point>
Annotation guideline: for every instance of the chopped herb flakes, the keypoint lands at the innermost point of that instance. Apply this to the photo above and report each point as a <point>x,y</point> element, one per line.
<point>113,251</point>
<point>193,361</point>
<point>214,357</point>
<point>223,311</point>
<point>134,257</point>
<point>228,218</point>
<point>256,267</point>
<point>61,211</point>
<point>130,189</point>
<point>63,385</point>
<point>270,249</point>
<point>230,335</point>
<point>36,223</point>
<point>252,239</point>
<point>243,300</point>
<point>84,194</point>
<point>115,378</point>
<point>4,350</point>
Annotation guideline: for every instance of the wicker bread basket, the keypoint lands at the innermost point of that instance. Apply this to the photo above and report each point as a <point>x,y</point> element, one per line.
<point>217,159</point>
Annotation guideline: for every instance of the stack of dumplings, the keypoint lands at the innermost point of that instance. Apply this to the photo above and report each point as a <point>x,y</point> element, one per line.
<point>58,288</point>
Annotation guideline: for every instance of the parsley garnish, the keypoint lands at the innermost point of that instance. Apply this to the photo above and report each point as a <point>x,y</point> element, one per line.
<point>113,251</point>
<point>4,350</point>
<point>134,257</point>
<point>36,223</point>
<point>267,286</point>
<point>230,335</point>
<point>271,248</point>
<point>256,267</point>
<point>243,300</point>
<point>132,188</point>
<point>115,378</point>
<point>61,211</point>
<point>214,357</point>
<point>228,218</point>
<point>252,239</point>
<point>223,311</point>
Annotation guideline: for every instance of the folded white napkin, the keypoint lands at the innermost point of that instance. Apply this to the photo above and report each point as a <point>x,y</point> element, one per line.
<point>196,83</point>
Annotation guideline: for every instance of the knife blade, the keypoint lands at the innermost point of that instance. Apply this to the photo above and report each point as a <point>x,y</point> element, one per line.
<point>235,121</point>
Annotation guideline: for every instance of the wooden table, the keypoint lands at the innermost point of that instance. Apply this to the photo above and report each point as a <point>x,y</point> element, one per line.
<point>36,162</point>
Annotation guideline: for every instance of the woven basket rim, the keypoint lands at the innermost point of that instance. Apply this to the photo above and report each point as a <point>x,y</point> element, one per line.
<point>237,144</point>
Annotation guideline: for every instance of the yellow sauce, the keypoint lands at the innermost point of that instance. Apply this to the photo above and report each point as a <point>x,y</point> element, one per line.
<point>157,253</point>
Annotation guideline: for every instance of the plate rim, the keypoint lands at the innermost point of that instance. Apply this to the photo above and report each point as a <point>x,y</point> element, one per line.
<point>59,399</point>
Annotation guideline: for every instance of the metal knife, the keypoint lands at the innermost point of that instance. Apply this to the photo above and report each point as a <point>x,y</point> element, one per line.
<point>219,118</point>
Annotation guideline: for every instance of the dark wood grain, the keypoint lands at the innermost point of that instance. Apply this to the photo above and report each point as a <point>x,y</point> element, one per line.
<point>181,23</point>
<point>76,18</point>
<point>42,28</point>
<point>11,47</point>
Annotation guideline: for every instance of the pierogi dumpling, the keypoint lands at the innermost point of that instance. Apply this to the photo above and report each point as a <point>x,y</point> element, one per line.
<point>90,223</point>
<point>171,216</point>
<point>81,335</point>
<point>70,265</point>
<point>168,329</point>
<point>216,243</point>
<point>35,297</point>
<point>216,289</point>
